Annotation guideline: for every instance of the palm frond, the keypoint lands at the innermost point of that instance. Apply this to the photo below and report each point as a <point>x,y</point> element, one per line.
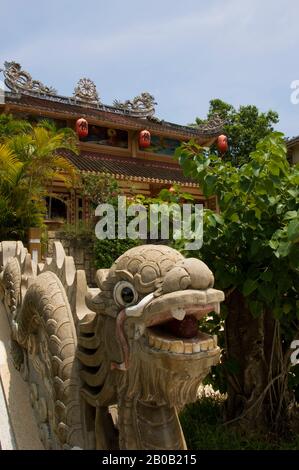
<point>22,146</point>
<point>9,126</point>
<point>29,163</point>
<point>9,166</point>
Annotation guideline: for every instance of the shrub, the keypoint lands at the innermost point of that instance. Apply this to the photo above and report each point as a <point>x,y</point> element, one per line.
<point>107,251</point>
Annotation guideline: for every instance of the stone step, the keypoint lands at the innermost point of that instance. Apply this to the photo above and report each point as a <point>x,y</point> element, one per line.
<point>7,438</point>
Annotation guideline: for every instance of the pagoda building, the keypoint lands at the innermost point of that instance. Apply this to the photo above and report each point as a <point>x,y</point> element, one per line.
<point>125,140</point>
<point>293,149</point>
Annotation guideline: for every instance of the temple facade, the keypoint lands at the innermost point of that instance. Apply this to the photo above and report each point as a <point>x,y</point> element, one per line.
<point>112,145</point>
<point>293,149</point>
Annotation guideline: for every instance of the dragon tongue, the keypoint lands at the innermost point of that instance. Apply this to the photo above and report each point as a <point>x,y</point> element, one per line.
<point>186,328</point>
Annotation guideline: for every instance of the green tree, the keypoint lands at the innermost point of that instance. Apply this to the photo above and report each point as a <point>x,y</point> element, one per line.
<point>99,188</point>
<point>244,128</point>
<point>9,126</point>
<point>30,160</point>
<point>252,246</point>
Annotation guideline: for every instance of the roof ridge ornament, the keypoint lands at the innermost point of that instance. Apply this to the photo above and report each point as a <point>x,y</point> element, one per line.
<point>142,106</point>
<point>86,91</point>
<point>19,80</point>
<point>213,124</point>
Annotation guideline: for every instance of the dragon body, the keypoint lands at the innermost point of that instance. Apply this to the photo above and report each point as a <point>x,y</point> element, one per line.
<point>109,367</point>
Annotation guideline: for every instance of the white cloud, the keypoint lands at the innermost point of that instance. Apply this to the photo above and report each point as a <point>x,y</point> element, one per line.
<point>243,26</point>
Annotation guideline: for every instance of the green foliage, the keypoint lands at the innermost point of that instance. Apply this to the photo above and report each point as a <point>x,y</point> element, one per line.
<point>253,244</point>
<point>107,251</point>
<point>99,188</point>
<point>9,126</point>
<point>80,234</point>
<point>244,128</point>
<point>165,196</point>
<point>166,200</point>
<point>29,162</point>
<point>203,427</point>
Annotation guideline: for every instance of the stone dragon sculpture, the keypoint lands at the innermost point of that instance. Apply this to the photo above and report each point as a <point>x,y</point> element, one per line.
<point>142,106</point>
<point>18,80</point>
<point>132,342</point>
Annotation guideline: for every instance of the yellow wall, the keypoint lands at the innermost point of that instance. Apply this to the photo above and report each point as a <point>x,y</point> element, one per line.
<point>295,155</point>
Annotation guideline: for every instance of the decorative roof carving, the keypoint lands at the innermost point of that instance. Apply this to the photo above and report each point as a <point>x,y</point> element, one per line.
<point>86,91</point>
<point>212,125</point>
<point>85,94</point>
<point>142,105</point>
<point>19,80</point>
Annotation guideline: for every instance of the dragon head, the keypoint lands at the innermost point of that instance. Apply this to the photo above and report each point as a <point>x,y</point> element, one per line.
<point>150,302</point>
<point>133,341</point>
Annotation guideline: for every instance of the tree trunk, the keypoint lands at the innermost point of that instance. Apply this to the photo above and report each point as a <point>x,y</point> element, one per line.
<point>254,368</point>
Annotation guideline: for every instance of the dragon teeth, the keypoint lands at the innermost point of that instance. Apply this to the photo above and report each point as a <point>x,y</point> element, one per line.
<point>182,347</point>
<point>165,346</point>
<point>217,308</point>
<point>188,348</point>
<point>204,345</point>
<point>176,347</point>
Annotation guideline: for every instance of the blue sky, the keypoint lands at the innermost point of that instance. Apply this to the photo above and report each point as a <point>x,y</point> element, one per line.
<point>182,52</point>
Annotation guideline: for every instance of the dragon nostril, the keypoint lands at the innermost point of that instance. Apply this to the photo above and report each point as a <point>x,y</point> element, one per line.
<point>185,282</point>
<point>200,275</point>
<point>176,279</point>
<point>190,273</point>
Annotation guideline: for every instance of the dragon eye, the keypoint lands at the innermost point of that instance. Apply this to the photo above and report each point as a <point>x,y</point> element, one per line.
<point>125,294</point>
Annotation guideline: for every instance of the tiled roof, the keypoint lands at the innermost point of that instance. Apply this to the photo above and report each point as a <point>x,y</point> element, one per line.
<point>292,141</point>
<point>133,169</point>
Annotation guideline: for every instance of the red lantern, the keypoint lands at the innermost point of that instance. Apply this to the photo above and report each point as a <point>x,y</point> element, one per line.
<point>144,139</point>
<point>82,127</point>
<point>222,143</point>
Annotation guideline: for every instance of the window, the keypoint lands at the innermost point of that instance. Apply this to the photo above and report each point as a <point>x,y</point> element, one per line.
<point>80,208</point>
<point>56,208</point>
